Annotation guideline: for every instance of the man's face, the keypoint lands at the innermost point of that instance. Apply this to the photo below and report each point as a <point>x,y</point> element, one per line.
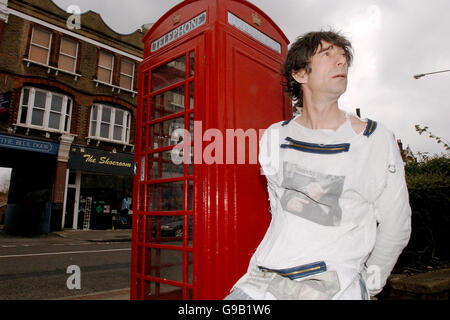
<point>328,74</point>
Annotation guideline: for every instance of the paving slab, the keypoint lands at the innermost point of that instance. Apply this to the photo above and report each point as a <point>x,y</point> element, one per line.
<point>116,235</point>
<point>423,283</point>
<point>120,294</point>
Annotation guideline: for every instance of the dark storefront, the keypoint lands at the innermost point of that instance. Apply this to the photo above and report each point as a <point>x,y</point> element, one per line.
<point>29,200</point>
<point>100,180</point>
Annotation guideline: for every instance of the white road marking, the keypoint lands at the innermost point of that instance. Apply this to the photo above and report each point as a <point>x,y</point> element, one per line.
<point>60,253</point>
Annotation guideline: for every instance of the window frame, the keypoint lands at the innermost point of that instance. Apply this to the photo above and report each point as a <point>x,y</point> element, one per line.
<point>105,68</point>
<point>40,46</point>
<point>65,116</point>
<point>75,58</point>
<point>126,123</point>
<point>122,60</point>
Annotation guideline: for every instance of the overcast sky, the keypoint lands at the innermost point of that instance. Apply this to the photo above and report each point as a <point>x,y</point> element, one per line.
<point>392,40</point>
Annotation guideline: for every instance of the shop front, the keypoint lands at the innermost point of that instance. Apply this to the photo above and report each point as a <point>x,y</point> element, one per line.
<point>30,193</point>
<point>99,189</point>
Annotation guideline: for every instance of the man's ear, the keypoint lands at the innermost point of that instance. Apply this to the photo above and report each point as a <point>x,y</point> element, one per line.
<point>301,76</point>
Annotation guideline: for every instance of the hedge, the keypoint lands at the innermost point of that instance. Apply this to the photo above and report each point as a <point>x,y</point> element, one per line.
<point>429,195</point>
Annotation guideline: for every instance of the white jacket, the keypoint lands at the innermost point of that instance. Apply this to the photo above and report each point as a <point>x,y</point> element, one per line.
<point>335,196</point>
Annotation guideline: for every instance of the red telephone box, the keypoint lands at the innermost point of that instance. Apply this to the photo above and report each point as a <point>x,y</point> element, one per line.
<point>211,70</point>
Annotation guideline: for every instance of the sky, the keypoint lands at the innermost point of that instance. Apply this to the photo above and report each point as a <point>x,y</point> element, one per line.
<point>392,41</point>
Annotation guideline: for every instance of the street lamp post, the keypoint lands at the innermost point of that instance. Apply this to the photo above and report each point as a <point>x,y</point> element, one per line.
<point>417,76</point>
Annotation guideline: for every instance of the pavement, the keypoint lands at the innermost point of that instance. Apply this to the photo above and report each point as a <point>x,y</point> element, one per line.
<point>430,285</point>
<point>423,286</point>
<point>117,235</point>
<point>120,294</point>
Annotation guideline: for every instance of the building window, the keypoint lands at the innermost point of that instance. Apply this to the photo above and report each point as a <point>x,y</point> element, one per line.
<point>109,123</point>
<point>105,67</point>
<point>40,45</point>
<point>42,109</point>
<point>68,54</point>
<point>126,74</point>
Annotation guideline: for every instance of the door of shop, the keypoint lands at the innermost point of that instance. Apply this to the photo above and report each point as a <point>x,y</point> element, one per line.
<point>69,209</point>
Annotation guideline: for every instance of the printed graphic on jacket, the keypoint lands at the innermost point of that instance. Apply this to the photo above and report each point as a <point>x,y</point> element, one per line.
<point>312,195</point>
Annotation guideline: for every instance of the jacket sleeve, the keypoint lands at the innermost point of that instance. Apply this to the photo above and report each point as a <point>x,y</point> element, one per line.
<point>393,213</point>
<point>269,155</point>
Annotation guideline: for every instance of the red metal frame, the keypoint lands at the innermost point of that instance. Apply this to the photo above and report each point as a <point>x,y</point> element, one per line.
<point>229,202</point>
<point>141,246</point>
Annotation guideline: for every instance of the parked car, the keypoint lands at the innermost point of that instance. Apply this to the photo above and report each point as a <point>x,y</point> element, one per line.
<point>171,226</point>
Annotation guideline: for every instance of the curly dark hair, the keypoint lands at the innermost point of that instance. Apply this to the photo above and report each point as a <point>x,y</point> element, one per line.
<point>299,55</point>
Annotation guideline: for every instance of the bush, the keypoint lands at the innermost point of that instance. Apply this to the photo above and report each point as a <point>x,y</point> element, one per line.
<point>429,195</point>
<point>431,173</point>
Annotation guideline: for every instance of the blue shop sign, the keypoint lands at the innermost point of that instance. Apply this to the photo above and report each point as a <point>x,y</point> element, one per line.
<point>28,144</point>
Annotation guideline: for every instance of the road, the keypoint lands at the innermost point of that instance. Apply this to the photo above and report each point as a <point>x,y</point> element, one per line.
<point>36,269</point>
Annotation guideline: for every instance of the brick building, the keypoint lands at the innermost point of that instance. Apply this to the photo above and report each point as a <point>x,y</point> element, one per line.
<point>68,94</point>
